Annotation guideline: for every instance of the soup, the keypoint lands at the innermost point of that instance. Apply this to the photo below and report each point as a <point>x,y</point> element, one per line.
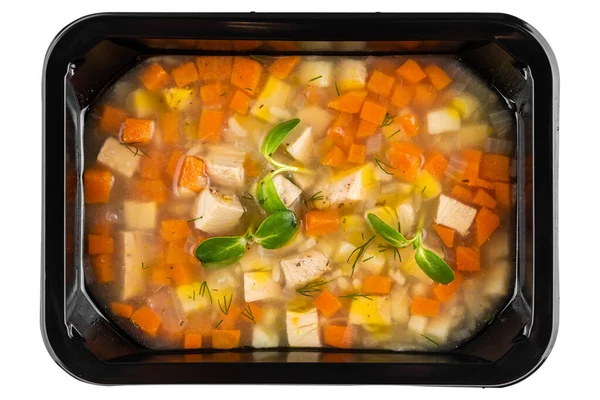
<point>347,202</point>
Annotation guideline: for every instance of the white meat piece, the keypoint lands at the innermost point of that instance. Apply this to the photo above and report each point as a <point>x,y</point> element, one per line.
<point>303,181</point>
<point>439,327</point>
<point>220,214</point>
<point>497,279</point>
<point>287,191</point>
<point>316,73</point>
<point>139,216</point>
<point>443,120</point>
<point>137,248</point>
<point>303,328</point>
<point>376,310</point>
<point>400,305</point>
<point>351,74</point>
<point>417,323</point>
<point>303,268</point>
<point>263,338</point>
<point>407,217</point>
<point>225,166</point>
<point>455,215</point>
<point>118,157</point>
<point>352,186</point>
<point>260,286</point>
<point>315,117</point>
<point>299,143</point>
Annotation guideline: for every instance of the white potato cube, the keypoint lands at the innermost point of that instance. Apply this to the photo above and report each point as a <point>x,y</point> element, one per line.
<point>400,306</point>
<point>371,262</point>
<point>439,327</point>
<point>139,216</point>
<point>303,328</point>
<point>264,338</point>
<point>133,274</point>
<point>315,117</point>
<point>303,268</point>
<point>472,135</point>
<point>349,186</point>
<point>443,120</point>
<point>407,217</point>
<point>316,73</point>
<point>417,323</point>
<point>351,75</point>
<point>497,279</point>
<point>287,191</point>
<point>303,181</point>
<point>118,157</point>
<point>237,128</point>
<point>343,251</point>
<point>455,215</point>
<point>225,166</point>
<point>299,143</point>
<point>217,214</point>
<point>190,298</point>
<point>274,95</point>
<point>260,286</point>
<point>397,276</point>
<point>376,310</point>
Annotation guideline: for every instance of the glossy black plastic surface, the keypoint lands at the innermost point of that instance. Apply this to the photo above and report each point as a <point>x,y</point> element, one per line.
<point>93,51</point>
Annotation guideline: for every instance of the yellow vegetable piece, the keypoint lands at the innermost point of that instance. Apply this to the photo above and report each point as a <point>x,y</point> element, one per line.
<point>275,94</point>
<point>142,103</point>
<point>178,98</point>
<point>190,298</point>
<point>427,185</point>
<point>375,310</point>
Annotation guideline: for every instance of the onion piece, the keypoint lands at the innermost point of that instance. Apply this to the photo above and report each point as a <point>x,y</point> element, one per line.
<point>498,146</point>
<point>235,127</point>
<point>374,142</point>
<point>501,120</point>
<point>456,167</point>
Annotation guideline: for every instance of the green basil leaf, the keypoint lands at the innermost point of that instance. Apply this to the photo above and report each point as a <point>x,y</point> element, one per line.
<point>218,252</point>
<point>276,136</point>
<point>388,233</point>
<point>277,229</point>
<point>433,266</point>
<point>268,197</point>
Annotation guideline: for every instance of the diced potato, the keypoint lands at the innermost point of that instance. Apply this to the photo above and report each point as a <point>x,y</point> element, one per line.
<point>420,289</point>
<point>133,273</point>
<point>119,157</point>
<point>497,279</point>
<point>407,216</point>
<point>287,191</point>
<point>376,310</point>
<point>300,142</point>
<point>253,260</point>
<point>317,118</point>
<point>497,247</point>
<point>455,215</point>
<point>219,214</point>
<point>474,300</point>
<point>274,94</point>
<point>303,268</point>
<point>349,186</point>
<point>190,298</point>
<point>443,120</point>
<point>410,267</point>
<point>139,216</point>
<point>178,98</point>
<point>400,306</point>
<point>386,214</point>
<point>351,75</point>
<point>303,181</point>
<point>382,176</point>
<point>260,286</point>
<point>303,328</point>
<point>439,327</point>
<point>353,223</point>
<point>428,186</point>
<point>472,135</point>
<point>263,337</point>
<point>465,104</point>
<point>316,73</point>
<point>142,103</point>
<point>417,324</point>
<point>374,263</point>
<point>224,280</point>
<point>225,166</point>
<point>343,252</point>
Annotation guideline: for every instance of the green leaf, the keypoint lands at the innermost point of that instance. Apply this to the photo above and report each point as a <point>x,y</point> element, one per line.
<point>433,266</point>
<point>388,233</point>
<point>276,136</point>
<point>277,229</point>
<point>218,252</point>
<point>268,197</point>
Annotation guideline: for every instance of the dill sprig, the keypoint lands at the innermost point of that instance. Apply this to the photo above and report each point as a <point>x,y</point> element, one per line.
<point>135,150</point>
<point>226,305</point>
<point>385,247</point>
<point>247,312</point>
<point>247,196</point>
<point>219,323</point>
<point>355,296</point>
<point>367,259</point>
<point>315,197</point>
<point>360,250</point>
<point>430,339</point>
<point>422,191</point>
<point>195,219</point>
<point>381,164</point>
<point>393,134</point>
<point>259,59</point>
<point>387,120</point>
<point>315,78</point>
<point>311,287</point>
<point>204,289</point>
<point>145,266</point>
<point>337,89</point>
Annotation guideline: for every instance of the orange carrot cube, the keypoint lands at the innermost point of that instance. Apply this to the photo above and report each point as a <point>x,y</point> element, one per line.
<point>192,175</point>
<point>472,158</point>
<point>100,244</point>
<point>319,223</point>
<point>147,320</point>
<point>486,223</point>
<point>335,157</point>
<point>349,102</point>
<point>121,309</point>
<point>137,130</point>
<point>424,95</point>
<point>225,338</point>
<point>402,95</point>
<point>483,199</point>
<point>97,184</point>
<point>102,268</point>
<point>211,122</point>
<point>425,307</point>
<point>438,78</point>
<point>111,120</point>
<point>444,293</point>
<point>174,160</point>
<point>357,153</point>
<point>240,102</point>
<point>185,74</point>
<point>411,71</point>
<point>246,74</point>
<point>154,77</point>
<point>283,66</point>
<point>503,194</point>
<point>377,285</point>
<point>495,167</point>
<point>446,234</point>
<point>409,122</point>
<point>149,190</point>
<point>405,159</point>
<point>327,304</point>
<point>366,128</point>
<point>467,259</point>
<point>373,112</point>
<point>338,336</point>
<point>151,167</point>
<point>213,94</point>
<point>174,229</point>
<point>436,164</point>
<point>214,68</point>
<point>381,83</point>
<point>462,193</point>
<point>192,341</point>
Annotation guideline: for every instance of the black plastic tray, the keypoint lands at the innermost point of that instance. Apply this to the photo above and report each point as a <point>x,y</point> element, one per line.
<point>91,52</point>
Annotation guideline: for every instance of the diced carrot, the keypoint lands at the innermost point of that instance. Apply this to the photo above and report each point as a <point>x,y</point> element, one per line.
<point>137,130</point>
<point>121,309</point>
<point>161,275</point>
<point>176,254</point>
<point>154,77</point>
<point>472,158</point>
<point>381,83</point>
<point>102,268</point>
<point>495,167</point>
<point>182,274</point>
<point>327,304</point>
<point>257,312</point>
<point>147,320</point>
<point>225,339</point>
<point>438,78</point>
<point>349,102</point>
<point>214,68</point>
<point>377,285</point>
<point>100,244</point>
<point>337,336</point>
<point>373,112</point>
<point>357,153</point>
<point>246,74</point>
<point>425,307</point>
<point>467,259</point>
<point>436,164</point>
<point>486,222</point>
<point>151,167</point>
<point>192,340</point>
<point>168,124</point>
<point>424,95</point>
<point>482,183</point>
<point>402,95</point>
<point>444,293</point>
<point>319,223</point>
<point>192,175</point>
<point>341,131</point>
<point>335,157</point>
<point>405,159</point>
<point>446,234</point>
<point>111,120</point>
<point>462,193</point>
<point>240,102</point>
<point>174,229</point>
<point>483,199</point>
<point>282,66</point>
<point>211,122</point>
<point>410,122</point>
<point>365,128</point>
<point>213,94</point>
<point>100,226</point>
<point>149,190</point>
<point>185,74</point>
<point>97,184</point>
<point>173,162</point>
<point>503,194</point>
<point>411,71</point>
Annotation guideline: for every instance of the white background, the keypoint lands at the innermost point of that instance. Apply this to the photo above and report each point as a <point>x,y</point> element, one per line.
<point>28,28</point>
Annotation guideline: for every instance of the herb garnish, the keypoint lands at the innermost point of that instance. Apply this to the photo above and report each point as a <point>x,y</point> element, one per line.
<point>315,78</point>
<point>355,296</point>
<point>247,312</point>
<point>195,219</point>
<point>392,135</point>
<point>387,120</point>
<point>381,164</point>
<point>219,323</point>
<point>384,248</point>
<point>422,191</point>
<point>315,197</point>
<point>367,259</point>
<point>135,150</point>
<point>226,305</point>
<point>311,287</point>
<point>360,250</point>
<point>222,94</point>
<point>337,89</point>
<point>204,289</point>
<point>430,339</point>
<point>247,196</point>
<point>259,59</point>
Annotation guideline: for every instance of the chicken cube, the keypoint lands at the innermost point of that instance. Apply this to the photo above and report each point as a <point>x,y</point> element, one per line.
<point>303,268</point>
<point>443,120</point>
<point>287,191</point>
<point>316,73</point>
<point>139,216</point>
<point>375,310</point>
<point>455,215</point>
<point>350,186</point>
<point>260,286</point>
<point>317,118</point>
<point>263,337</point>
<point>217,214</point>
<point>139,253</point>
<point>119,157</point>
<point>225,166</point>
<point>303,328</point>
<point>299,143</point>
<point>303,181</point>
<point>351,75</point>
